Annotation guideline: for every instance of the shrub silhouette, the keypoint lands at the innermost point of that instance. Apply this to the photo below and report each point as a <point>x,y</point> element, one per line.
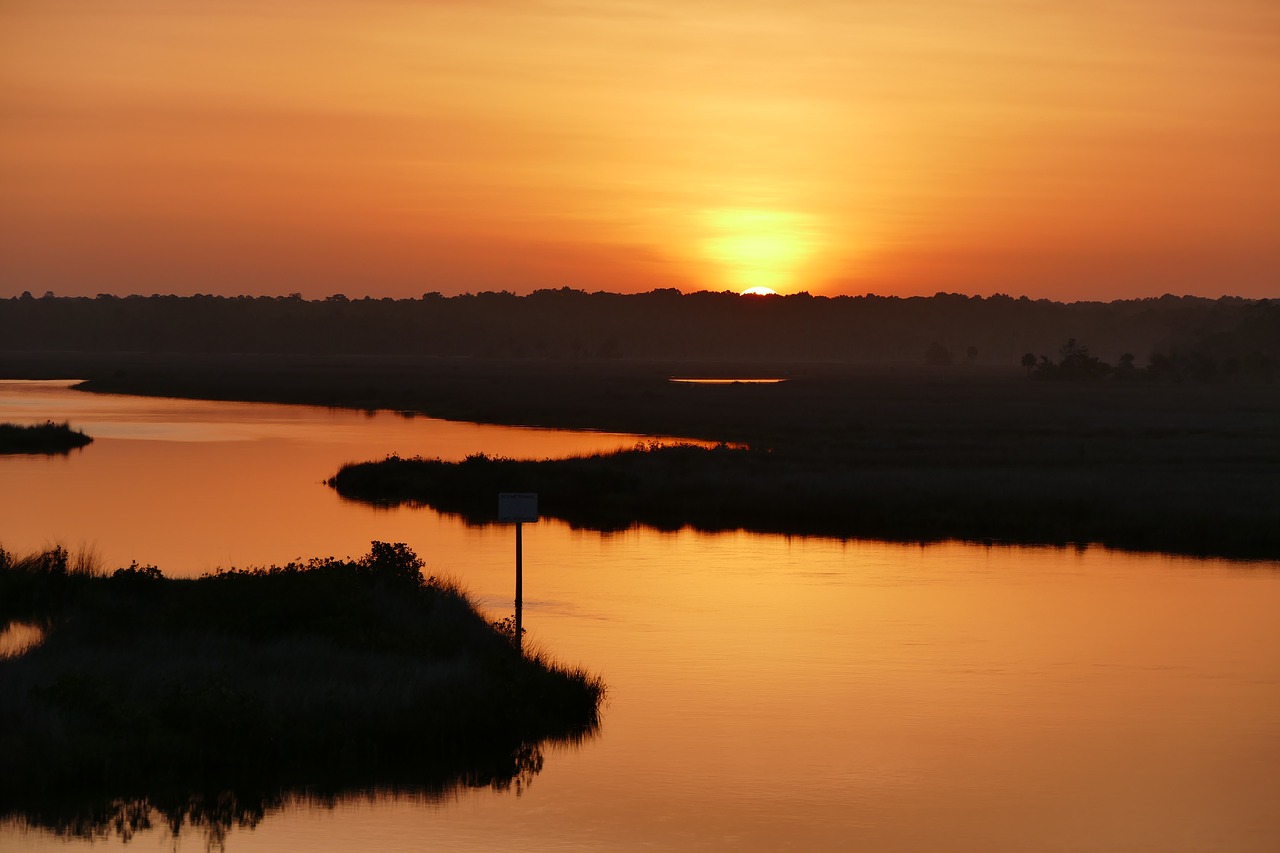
<point>394,562</point>
<point>937,355</point>
<point>1074,364</point>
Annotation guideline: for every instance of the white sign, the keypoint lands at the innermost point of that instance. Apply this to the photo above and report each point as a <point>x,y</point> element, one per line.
<point>517,506</point>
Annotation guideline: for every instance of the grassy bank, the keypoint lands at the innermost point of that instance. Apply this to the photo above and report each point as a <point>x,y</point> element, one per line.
<point>150,694</point>
<point>47,437</point>
<point>724,489</point>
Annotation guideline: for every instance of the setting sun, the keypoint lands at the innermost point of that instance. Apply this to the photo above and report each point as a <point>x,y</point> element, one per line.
<point>759,251</point>
<point>759,291</point>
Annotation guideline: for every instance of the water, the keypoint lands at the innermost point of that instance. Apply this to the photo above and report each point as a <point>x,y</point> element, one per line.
<point>765,692</point>
<point>191,485</point>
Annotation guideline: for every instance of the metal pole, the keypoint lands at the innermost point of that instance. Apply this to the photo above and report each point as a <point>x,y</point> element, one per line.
<point>519,585</point>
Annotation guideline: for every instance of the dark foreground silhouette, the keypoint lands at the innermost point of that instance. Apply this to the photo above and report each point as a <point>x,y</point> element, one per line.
<point>47,437</point>
<point>215,700</point>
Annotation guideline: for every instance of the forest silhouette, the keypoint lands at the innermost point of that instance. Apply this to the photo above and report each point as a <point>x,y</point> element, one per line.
<point>1237,336</point>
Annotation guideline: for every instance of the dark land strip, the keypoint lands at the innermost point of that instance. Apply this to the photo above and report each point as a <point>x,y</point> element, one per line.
<point>727,488</point>
<point>906,452</point>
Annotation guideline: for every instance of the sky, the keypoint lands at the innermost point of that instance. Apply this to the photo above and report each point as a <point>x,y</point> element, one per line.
<point>1083,150</point>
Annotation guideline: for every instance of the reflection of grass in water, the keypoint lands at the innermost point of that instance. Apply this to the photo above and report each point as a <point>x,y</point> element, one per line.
<point>214,813</point>
<point>47,437</point>
<point>214,700</point>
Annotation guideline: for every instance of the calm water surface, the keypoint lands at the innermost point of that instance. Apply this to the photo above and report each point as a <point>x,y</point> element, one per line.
<point>765,692</point>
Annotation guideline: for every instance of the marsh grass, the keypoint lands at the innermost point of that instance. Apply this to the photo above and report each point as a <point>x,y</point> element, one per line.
<point>47,437</point>
<point>1140,499</point>
<point>151,695</point>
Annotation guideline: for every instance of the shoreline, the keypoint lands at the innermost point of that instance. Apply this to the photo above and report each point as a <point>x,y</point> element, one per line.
<point>920,453</point>
<point>725,489</point>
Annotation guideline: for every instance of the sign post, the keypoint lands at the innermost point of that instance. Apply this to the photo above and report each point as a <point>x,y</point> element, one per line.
<point>518,507</point>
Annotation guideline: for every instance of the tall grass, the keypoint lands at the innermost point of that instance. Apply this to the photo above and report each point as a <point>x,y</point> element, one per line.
<point>253,686</point>
<point>47,437</point>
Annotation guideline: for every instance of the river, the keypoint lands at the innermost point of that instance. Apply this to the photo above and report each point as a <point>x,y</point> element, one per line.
<point>765,692</point>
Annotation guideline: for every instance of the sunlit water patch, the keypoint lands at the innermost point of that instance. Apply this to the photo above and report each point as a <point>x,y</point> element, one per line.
<point>705,381</point>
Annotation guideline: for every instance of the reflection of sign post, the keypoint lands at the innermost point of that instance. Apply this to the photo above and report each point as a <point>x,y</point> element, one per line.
<point>519,507</point>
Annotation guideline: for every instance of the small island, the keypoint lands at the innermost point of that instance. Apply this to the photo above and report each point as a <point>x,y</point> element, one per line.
<point>143,694</point>
<point>48,437</point>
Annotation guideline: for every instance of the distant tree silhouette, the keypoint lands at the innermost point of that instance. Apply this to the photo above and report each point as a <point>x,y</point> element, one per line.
<point>937,354</point>
<point>1074,364</point>
<point>1125,369</point>
<point>1029,362</point>
<point>1198,366</point>
<point>1162,367</point>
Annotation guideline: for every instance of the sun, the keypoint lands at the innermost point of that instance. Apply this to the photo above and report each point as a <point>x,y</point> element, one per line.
<point>757,251</point>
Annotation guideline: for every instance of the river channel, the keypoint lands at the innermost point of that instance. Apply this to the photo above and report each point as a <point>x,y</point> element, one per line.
<point>765,692</point>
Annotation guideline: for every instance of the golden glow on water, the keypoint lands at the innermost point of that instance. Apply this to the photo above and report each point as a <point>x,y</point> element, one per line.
<point>239,483</point>
<point>765,692</point>
<point>728,381</point>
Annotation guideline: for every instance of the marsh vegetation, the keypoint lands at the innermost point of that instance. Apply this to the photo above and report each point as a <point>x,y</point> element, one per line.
<point>212,700</point>
<point>726,488</point>
<point>48,437</point>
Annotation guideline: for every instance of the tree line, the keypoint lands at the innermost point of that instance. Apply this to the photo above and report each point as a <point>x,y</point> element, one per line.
<point>1179,335</point>
<point>1075,363</point>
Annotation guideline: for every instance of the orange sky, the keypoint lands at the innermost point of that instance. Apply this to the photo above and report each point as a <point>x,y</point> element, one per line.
<point>1084,150</point>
